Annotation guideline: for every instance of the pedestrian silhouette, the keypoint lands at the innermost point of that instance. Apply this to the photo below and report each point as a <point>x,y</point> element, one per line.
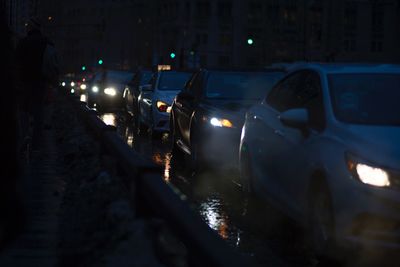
<point>37,64</point>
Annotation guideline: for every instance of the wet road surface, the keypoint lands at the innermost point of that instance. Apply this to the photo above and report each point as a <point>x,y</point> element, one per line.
<point>252,227</point>
<point>248,225</point>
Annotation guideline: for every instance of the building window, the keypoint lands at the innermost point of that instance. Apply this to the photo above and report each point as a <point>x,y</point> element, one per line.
<point>203,9</point>
<point>224,10</point>
<point>349,45</point>
<point>203,60</point>
<point>377,27</point>
<point>225,39</point>
<point>350,27</point>
<point>224,61</point>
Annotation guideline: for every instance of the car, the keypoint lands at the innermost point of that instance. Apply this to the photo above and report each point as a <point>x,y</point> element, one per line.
<point>68,84</point>
<point>324,148</point>
<point>93,88</point>
<point>133,90</point>
<point>156,99</point>
<point>208,114</point>
<point>111,88</point>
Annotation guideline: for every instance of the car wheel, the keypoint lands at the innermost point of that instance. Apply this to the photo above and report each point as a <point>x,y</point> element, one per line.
<point>246,174</point>
<point>322,229</point>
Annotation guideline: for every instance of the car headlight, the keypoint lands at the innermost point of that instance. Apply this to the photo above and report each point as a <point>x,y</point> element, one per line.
<point>163,107</point>
<point>83,86</point>
<point>72,84</point>
<point>367,173</point>
<point>218,122</point>
<point>72,91</point>
<point>110,91</point>
<point>95,89</point>
<point>63,84</point>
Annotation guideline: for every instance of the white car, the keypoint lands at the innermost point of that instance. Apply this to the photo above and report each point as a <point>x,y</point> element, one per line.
<point>156,99</point>
<point>324,147</point>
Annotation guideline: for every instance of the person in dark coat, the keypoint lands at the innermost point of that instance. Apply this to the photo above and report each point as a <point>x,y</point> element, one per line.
<point>30,51</point>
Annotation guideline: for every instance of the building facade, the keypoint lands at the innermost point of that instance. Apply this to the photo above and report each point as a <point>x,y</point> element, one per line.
<point>127,34</point>
<point>259,32</point>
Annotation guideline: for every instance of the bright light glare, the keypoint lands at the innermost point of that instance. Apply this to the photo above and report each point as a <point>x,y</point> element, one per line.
<point>63,83</point>
<point>95,89</point>
<point>163,107</point>
<point>83,86</point>
<point>72,91</point>
<point>221,123</point>
<point>72,84</point>
<point>372,176</point>
<point>83,98</point>
<point>110,91</point>
<point>109,119</point>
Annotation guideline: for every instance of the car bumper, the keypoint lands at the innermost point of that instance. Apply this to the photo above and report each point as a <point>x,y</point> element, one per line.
<point>161,121</point>
<point>368,218</point>
<point>220,146</point>
<point>107,101</point>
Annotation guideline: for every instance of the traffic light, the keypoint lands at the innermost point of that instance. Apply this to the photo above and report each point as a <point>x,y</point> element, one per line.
<point>83,68</point>
<point>250,41</point>
<point>100,62</point>
<point>172,55</point>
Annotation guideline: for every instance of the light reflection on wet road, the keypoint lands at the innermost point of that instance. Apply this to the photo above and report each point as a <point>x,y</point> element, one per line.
<point>254,228</point>
<point>216,196</point>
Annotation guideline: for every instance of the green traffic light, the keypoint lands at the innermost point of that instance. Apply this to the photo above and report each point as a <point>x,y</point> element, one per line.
<point>83,67</point>
<point>100,61</point>
<point>250,41</point>
<point>172,55</point>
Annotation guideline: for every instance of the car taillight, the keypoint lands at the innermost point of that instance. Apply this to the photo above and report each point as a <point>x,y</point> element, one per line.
<point>162,106</point>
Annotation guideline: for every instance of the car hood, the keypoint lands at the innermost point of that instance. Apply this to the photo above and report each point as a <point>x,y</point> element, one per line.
<point>165,96</point>
<point>232,110</point>
<point>380,144</point>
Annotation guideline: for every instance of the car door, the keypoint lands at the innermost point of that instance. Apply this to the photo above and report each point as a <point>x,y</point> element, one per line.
<point>298,147</point>
<point>185,105</point>
<point>270,142</point>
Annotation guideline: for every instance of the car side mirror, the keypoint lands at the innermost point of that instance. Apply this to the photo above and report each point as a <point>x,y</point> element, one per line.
<point>295,118</point>
<point>146,88</point>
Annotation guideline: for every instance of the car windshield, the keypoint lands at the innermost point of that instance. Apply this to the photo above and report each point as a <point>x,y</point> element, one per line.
<point>119,77</point>
<point>173,80</point>
<point>240,85</point>
<point>145,78</point>
<point>366,98</point>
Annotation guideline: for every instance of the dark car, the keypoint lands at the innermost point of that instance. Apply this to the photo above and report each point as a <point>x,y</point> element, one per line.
<point>111,88</point>
<point>133,90</point>
<point>208,115</point>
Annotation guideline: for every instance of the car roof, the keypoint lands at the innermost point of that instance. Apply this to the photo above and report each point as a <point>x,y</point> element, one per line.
<point>266,69</point>
<point>330,68</point>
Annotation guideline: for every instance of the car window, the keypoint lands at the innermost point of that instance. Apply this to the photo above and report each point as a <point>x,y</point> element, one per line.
<point>197,85</point>
<point>366,98</point>
<point>188,85</point>
<point>173,80</point>
<point>145,78</point>
<point>282,95</point>
<point>310,97</point>
<point>235,85</point>
<point>300,90</point>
